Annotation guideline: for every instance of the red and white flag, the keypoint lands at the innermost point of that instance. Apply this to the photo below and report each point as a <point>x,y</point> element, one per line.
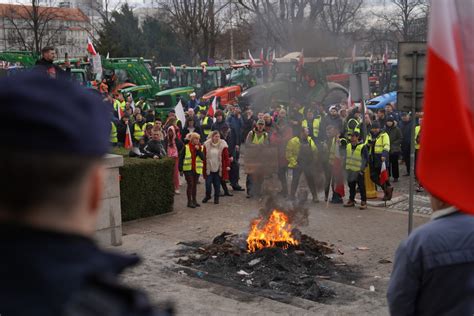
<point>262,58</point>
<point>128,138</point>
<point>447,171</point>
<point>383,177</point>
<point>385,55</point>
<point>90,47</point>
<point>252,60</point>
<point>213,108</point>
<point>300,65</point>
<point>273,56</point>
<point>354,53</point>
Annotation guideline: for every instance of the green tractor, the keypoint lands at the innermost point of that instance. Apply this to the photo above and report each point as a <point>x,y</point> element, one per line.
<point>308,85</point>
<point>192,79</point>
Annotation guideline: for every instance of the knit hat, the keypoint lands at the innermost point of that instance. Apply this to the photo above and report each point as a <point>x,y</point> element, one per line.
<point>260,122</point>
<point>375,124</point>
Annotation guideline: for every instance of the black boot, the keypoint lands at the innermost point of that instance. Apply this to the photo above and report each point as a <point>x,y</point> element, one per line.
<point>191,204</point>
<point>196,204</point>
<point>207,198</point>
<point>216,200</point>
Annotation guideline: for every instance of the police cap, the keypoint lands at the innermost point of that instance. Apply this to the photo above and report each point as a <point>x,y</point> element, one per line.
<point>52,116</point>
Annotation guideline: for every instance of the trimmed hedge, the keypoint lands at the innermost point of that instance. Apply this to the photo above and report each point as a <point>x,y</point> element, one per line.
<point>146,186</point>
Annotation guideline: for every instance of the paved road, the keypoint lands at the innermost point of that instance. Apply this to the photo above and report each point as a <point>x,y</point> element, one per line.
<point>156,238</point>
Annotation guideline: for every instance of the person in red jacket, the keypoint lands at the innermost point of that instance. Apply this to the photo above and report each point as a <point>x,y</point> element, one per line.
<point>216,165</point>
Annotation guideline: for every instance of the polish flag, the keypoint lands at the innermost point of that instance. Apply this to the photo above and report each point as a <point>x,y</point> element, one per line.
<point>90,47</point>
<point>213,108</point>
<point>383,177</point>
<point>252,61</point>
<point>447,171</point>
<point>354,53</point>
<point>385,55</point>
<point>128,138</point>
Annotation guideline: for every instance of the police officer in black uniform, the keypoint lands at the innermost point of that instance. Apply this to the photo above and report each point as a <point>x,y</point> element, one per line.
<point>51,179</point>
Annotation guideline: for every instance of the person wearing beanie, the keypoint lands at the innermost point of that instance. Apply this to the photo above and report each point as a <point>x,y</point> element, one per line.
<point>220,121</point>
<point>378,143</point>
<point>52,187</point>
<point>395,136</point>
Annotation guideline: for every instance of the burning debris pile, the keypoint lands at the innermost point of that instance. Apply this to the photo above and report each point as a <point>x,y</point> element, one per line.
<point>272,256</point>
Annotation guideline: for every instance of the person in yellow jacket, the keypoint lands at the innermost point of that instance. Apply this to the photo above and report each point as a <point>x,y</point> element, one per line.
<point>301,155</point>
<point>417,148</point>
<point>191,165</point>
<point>119,103</point>
<point>139,128</point>
<point>113,134</point>
<point>378,143</point>
<point>312,122</point>
<point>356,161</point>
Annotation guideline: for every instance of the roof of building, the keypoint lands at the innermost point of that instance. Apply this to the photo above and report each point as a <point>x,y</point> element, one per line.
<point>19,11</point>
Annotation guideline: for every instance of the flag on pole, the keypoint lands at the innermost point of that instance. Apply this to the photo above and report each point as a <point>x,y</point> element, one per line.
<point>273,56</point>
<point>371,58</point>
<point>383,177</point>
<point>385,55</point>
<point>447,171</point>
<point>300,65</point>
<point>179,111</point>
<point>213,108</point>
<point>128,138</point>
<point>337,173</point>
<point>252,61</point>
<point>90,47</point>
<point>354,53</point>
<point>107,57</point>
<point>262,58</point>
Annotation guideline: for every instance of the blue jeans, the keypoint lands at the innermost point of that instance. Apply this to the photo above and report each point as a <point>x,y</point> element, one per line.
<point>215,180</point>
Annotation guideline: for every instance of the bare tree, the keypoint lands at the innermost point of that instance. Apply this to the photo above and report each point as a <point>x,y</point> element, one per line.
<point>34,26</point>
<point>284,20</point>
<point>339,14</point>
<point>198,22</point>
<point>407,18</point>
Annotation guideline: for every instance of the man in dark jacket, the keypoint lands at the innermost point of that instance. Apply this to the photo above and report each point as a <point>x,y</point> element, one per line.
<point>405,128</point>
<point>155,148</point>
<point>46,63</point>
<point>230,136</point>
<point>52,187</point>
<point>395,136</point>
<point>433,272</point>
<point>219,123</point>
<point>332,119</point>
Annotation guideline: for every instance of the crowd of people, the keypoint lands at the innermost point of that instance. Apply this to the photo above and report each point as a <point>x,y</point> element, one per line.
<point>326,145</point>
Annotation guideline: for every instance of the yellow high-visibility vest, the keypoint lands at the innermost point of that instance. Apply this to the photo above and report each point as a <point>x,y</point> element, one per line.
<point>113,133</point>
<point>138,132</point>
<point>382,143</point>
<point>354,157</point>
<point>118,104</point>
<point>258,140</point>
<point>293,150</point>
<point>206,130</point>
<point>316,123</point>
<point>417,139</point>
<point>188,161</point>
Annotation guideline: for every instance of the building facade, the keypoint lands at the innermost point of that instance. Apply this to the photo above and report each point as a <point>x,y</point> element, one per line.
<point>67,29</point>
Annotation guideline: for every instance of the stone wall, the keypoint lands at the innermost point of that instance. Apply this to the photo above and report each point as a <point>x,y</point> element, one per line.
<point>109,224</point>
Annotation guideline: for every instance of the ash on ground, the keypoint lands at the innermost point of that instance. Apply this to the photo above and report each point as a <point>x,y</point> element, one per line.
<point>294,271</point>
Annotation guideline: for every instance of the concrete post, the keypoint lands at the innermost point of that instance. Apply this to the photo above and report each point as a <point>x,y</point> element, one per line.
<point>109,223</point>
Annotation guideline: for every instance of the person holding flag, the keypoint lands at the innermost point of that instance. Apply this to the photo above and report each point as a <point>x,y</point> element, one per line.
<point>378,143</point>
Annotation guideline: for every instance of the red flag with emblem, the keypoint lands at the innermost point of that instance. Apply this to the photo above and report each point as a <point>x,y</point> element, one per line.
<point>383,177</point>
<point>447,171</point>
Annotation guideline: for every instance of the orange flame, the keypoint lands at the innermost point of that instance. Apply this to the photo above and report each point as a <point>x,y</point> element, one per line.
<point>276,230</point>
